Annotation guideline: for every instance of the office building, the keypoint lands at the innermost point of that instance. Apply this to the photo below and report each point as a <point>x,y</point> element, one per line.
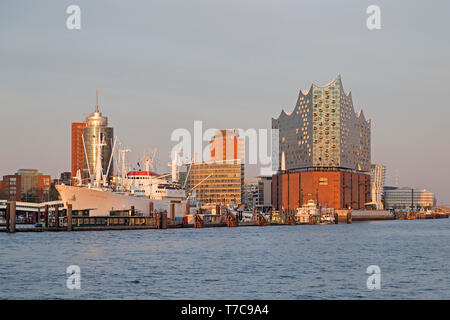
<point>250,195</point>
<point>27,185</point>
<point>12,187</point>
<point>377,177</point>
<point>226,145</point>
<point>264,200</point>
<point>217,182</point>
<point>405,198</point>
<point>64,178</point>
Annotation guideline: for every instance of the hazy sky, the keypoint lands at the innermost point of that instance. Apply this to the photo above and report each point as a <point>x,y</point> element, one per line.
<point>160,65</point>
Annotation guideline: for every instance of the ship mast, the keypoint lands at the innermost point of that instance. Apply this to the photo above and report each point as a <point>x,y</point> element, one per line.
<point>98,166</point>
<point>123,153</point>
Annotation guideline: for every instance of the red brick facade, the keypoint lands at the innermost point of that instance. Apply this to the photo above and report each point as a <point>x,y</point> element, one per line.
<point>332,189</point>
<point>12,186</point>
<point>44,184</point>
<point>77,149</point>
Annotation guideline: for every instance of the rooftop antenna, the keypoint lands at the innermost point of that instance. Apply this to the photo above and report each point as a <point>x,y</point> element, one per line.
<point>96,100</point>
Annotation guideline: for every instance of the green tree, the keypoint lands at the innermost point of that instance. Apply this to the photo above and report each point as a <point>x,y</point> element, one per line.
<point>54,194</point>
<point>29,197</point>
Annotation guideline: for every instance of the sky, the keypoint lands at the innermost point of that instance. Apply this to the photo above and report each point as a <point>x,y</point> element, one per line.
<point>161,65</point>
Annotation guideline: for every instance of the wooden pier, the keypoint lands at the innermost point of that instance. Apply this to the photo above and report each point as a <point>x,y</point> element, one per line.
<point>55,218</point>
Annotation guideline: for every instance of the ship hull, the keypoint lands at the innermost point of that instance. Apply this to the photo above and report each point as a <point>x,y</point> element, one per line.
<point>101,203</point>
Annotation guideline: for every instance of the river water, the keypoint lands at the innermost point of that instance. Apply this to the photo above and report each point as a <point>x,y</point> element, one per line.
<point>273,262</point>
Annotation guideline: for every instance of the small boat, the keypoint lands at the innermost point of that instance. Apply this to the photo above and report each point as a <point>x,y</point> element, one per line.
<point>311,213</point>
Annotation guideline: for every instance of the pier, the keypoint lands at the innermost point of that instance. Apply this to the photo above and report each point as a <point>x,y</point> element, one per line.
<point>53,217</point>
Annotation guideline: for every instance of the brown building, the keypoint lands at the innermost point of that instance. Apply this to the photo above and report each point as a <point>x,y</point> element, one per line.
<point>64,178</point>
<point>43,187</point>
<point>331,189</point>
<point>12,187</point>
<point>78,155</point>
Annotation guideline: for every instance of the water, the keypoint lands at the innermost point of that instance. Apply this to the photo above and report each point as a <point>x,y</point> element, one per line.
<point>277,262</point>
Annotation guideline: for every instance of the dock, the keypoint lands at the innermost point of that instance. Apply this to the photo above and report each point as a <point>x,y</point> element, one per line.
<point>56,218</point>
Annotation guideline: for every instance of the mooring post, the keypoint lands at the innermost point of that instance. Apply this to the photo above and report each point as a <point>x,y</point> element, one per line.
<point>12,217</point>
<point>158,220</point>
<point>349,216</point>
<point>132,213</point>
<point>38,215</point>
<point>150,209</point>
<point>7,215</point>
<point>164,220</point>
<point>56,216</point>
<point>46,216</point>
<point>69,217</point>
<point>172,211</point>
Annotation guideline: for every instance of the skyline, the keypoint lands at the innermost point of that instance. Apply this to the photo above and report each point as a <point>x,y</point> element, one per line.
<point>199,66</point>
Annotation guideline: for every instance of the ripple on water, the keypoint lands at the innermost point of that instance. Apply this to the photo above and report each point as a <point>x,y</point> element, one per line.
<point>302,262</point>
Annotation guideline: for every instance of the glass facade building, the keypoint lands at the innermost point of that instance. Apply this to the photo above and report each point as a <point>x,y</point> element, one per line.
<point>323,151</point>
<point>97,131</point>
<point>323,131</point>
<point>408,198</point>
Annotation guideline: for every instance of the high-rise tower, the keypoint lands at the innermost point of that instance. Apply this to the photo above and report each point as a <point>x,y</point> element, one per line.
<point>226,145</point>
<point>85,138</point>
<point>78,154</point>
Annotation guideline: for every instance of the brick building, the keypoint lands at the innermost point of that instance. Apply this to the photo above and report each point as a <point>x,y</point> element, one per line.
<point>331,189</point>
<point>12,187</point>
<point>78,154</point>
<point>27,185</point>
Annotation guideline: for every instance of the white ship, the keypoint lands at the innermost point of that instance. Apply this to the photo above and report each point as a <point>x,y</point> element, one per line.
<point>133,188</point>
<point>101,201</point>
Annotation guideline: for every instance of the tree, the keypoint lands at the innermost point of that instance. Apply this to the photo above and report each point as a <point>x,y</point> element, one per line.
<point>29,196</point>
<point>53,194</point>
